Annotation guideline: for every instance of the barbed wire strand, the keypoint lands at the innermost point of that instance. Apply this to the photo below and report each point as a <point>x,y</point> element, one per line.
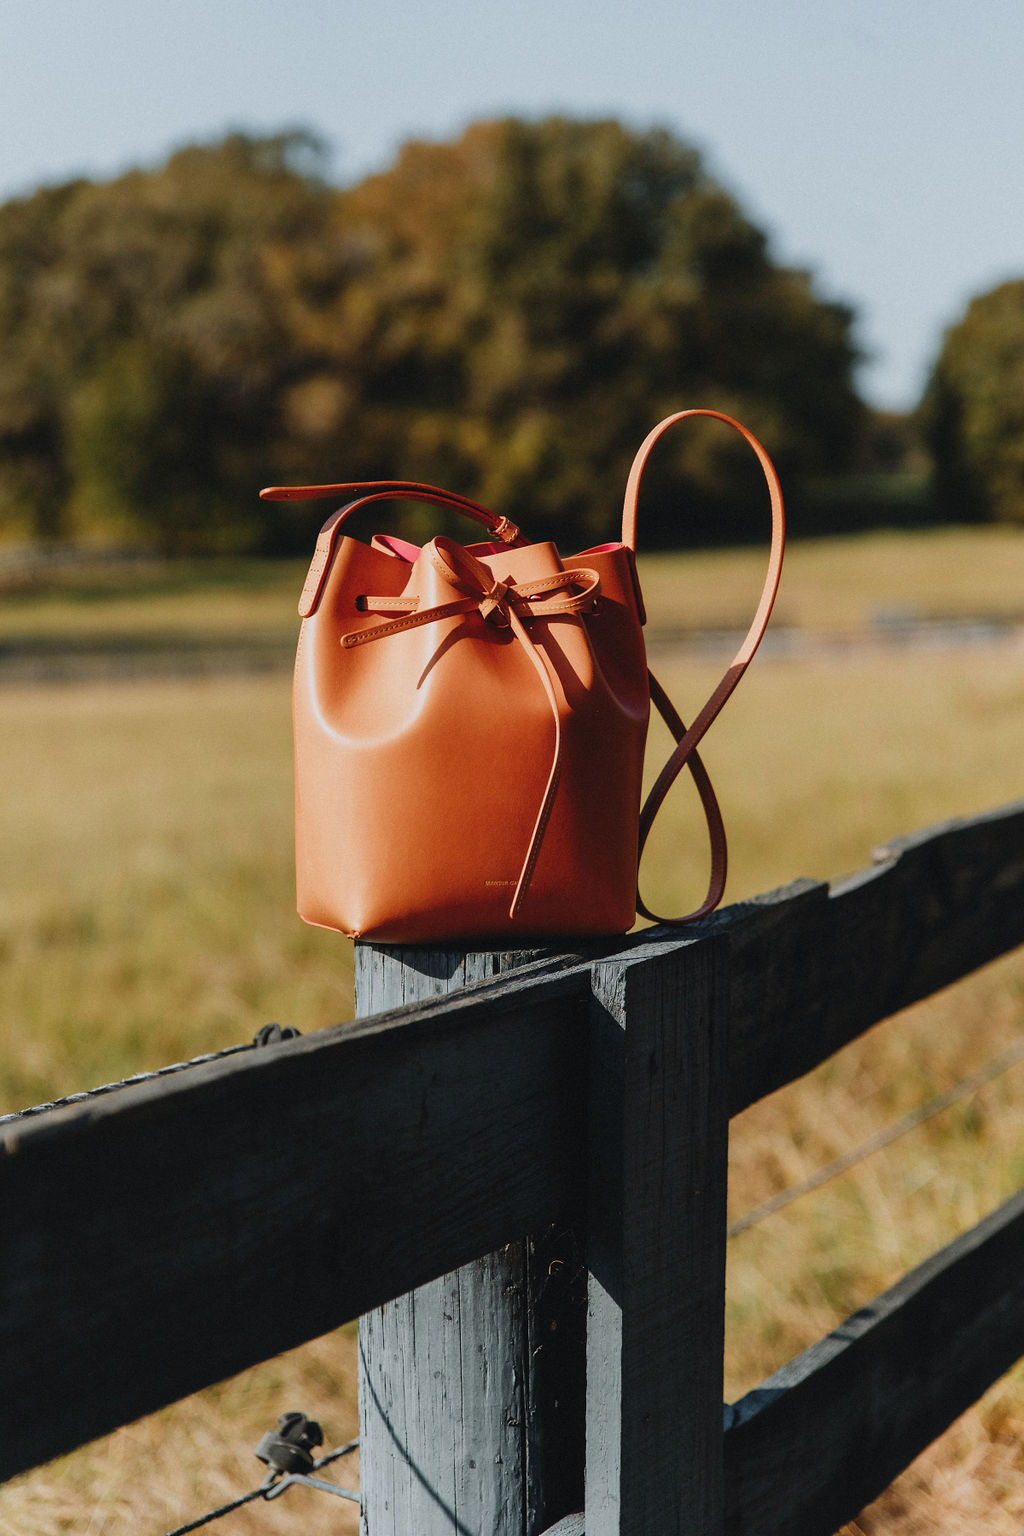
<point>258,1493</point>
<point>125,1082</point>
<point>883,1138</point>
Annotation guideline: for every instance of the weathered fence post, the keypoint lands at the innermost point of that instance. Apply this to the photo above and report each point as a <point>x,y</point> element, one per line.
<point>656,1244</point>
<point>463,1429</point>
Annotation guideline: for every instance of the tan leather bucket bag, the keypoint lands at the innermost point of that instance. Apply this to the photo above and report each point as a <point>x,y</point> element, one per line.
<point>470,724</point>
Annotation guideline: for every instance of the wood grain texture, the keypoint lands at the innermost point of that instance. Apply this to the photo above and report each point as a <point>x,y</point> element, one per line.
<point>458,1434</point>
<point>443,1386</point>
<point>165,1236</point>
<point>657,1244</point>
<point>821,1438</point>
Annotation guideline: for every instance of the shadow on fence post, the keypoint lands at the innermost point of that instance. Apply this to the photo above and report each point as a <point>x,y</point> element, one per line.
<point>471,1388</point>
<point>656,1243</point>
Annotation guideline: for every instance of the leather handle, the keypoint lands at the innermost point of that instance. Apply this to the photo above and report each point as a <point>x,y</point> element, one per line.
<point>381,490</point>
<point>685,753</point>
<point>384,490</point>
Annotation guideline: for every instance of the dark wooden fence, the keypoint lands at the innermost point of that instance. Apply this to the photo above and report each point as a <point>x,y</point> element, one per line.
<point>166,1235</point>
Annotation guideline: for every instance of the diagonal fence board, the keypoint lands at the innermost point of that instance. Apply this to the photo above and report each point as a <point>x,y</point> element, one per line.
<point>811,968</point>
<point>163,1237</point>
<point>824,1436</point>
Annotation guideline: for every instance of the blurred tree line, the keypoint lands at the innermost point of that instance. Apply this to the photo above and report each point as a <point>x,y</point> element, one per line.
<point>506,314</point>
<point>973,411</point>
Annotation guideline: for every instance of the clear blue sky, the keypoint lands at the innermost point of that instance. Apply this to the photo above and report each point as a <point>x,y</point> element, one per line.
<point>880,143</point>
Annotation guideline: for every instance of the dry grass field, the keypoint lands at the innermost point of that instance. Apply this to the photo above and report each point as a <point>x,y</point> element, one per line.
<point>146,915</point>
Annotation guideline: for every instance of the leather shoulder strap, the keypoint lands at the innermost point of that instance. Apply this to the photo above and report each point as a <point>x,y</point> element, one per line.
<point>685,753</point>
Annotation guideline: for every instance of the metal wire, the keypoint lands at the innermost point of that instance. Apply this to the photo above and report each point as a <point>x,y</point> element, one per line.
<point>215,1514</point>
<point>961,1090</point>
<point>127,1082</point>
<point>272,1487</point>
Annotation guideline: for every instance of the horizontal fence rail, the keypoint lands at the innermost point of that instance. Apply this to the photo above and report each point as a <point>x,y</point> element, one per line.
<point>161,1237</point>
<point>164,1237</point>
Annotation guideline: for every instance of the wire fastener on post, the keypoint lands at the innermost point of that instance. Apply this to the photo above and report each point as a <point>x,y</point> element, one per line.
<point>288,1452</point>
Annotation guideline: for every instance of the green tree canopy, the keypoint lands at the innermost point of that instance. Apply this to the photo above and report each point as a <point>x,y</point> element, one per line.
<point>142,343</point>
<point>973,410</point>
<point>506,314</point>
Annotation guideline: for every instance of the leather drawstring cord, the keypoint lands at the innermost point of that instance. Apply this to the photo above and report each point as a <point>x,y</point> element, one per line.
<point>509,605</point>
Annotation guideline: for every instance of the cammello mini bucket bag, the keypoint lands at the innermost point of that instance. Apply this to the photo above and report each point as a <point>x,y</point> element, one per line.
<point>470,723</point>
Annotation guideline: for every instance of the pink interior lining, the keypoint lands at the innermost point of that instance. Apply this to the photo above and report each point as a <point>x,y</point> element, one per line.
<point>389,544</point>
<point>400,548</point>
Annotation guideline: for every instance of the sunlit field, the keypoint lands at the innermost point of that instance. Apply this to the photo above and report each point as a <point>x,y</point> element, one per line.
<point>147,915</point>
